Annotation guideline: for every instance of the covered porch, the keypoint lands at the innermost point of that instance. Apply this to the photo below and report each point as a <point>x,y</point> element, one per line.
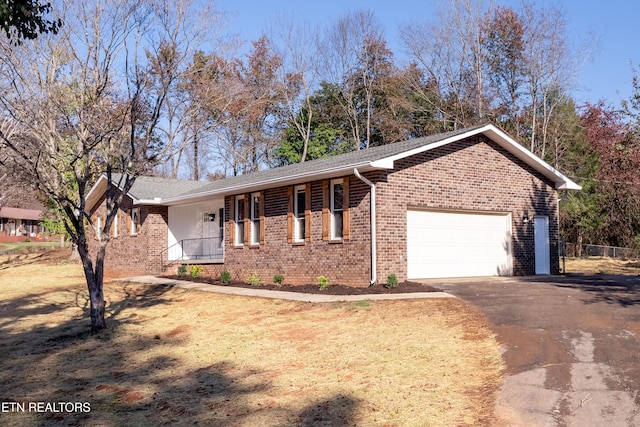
<point>196,233</point>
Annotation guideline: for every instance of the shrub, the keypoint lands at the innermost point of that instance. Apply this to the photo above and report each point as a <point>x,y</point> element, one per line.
<point>195,271</point>
<point>323,282</point>
<point>279,279</point>
<point>253,279</point>
<point>392,281</point>
<point>225,277</point>
<point>182,270</point>
<point>27,240</point>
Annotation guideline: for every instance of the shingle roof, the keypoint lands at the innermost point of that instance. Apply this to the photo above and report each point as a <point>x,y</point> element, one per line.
<point>17,213</point>
<point>149,187</point>
<point>334,162</point>
<point>172,191</point>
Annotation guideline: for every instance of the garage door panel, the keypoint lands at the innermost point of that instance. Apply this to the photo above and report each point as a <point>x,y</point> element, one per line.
<point>457,244</point>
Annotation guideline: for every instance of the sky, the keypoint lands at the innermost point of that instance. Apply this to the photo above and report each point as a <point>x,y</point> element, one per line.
<point>609,25</point>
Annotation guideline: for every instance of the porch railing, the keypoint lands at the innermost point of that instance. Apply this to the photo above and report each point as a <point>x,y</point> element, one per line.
<point>194,250</point>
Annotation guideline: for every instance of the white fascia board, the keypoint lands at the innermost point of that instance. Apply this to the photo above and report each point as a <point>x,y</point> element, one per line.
<point>562,182</point>
<point>95,193</point>
<point>280,182</point>
<point>98,189</point>
<point>154,201</point>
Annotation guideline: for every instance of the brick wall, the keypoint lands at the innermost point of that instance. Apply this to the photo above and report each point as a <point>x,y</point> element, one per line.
<point>130,255</point>
<point>474,174</point>
<point>345,262</point>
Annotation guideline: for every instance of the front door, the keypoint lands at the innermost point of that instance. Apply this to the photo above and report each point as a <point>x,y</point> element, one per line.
<point>541,236</point>
<point>210,230</point>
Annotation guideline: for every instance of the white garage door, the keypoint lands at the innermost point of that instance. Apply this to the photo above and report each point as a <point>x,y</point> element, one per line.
<point>458,244</point>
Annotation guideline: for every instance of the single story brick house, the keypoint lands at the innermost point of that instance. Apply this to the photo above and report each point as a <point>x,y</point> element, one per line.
<point>17,224</point>
<point>471,202</point>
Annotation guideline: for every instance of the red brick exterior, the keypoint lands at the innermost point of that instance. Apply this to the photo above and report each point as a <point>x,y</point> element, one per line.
<point>344,262</point>
<point>132,255</point>
<point>474,174</point>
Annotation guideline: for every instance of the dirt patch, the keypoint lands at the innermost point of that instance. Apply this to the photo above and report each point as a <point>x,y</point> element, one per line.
<point>177,356</point>
<point>402,288</point>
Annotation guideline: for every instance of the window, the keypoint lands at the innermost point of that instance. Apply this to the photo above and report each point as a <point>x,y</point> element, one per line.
<point>135,221</point>
<point>99,226</point>
<point>255,218</point>
<point>239,221</point>
<point>337,209</point>
<point>299,208</point>
<point>115,224</point>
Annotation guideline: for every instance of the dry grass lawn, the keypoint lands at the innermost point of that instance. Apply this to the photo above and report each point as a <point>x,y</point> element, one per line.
<point>600,265</point>
<point>175,356</point>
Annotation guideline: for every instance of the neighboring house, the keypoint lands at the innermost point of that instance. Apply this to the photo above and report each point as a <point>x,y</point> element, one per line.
<point>20,223</point>
<point>471,202</point>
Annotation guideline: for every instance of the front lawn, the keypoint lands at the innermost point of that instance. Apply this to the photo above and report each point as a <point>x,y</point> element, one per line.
<point>176,356</point>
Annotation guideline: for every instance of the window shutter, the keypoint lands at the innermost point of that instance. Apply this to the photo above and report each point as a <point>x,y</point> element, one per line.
<point>232,221</point>
<point>103,222</point>
<point>307,213</point>
<point>128,222</point>
<point>247,219</point>
<point>290,215</point>
<point>326,223</point>
<point>346,223</point>
<point>262,221</point>
<point>139,223</point>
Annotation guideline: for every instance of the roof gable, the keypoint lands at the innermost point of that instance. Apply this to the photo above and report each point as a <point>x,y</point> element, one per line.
<point>149,190</point>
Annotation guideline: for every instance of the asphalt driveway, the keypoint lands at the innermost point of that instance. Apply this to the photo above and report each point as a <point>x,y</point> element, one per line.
<point>570,343</point>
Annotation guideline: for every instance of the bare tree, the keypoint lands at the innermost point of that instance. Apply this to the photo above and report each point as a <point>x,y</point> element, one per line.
<point>183,122</point>
<point>298,74</point>
<point>86,103</point>
<point>355,56</point>
<point>451,52</point>
<point>550,66</point>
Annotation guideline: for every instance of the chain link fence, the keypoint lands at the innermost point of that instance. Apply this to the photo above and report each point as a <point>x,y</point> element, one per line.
<point>587,250</point>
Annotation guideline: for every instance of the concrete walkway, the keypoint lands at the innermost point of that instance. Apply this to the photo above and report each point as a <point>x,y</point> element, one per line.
<point>266,293</point>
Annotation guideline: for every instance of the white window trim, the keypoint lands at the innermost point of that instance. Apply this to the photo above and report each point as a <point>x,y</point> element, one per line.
<point>298,220</point>
<point>115,225</point>
<point>239,231</point>
<point>99,226</point>
<point>135,214</point>
<point>334,235</point>
<point>255,219</point>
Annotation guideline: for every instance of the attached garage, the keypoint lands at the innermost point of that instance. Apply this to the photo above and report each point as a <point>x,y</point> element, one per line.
<point>458,244</point>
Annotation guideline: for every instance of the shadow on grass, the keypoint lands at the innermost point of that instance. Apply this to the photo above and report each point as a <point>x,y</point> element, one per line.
<point>620,290</point>
<point>131,378</point>
<point>22,257</point>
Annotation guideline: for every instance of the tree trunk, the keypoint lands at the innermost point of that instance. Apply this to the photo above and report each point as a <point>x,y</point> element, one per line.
<point>98,304</point>
<point>579,245</point>
<point>94,283</point>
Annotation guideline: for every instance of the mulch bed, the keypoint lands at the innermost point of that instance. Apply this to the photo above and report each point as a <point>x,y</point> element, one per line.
<point>402,288</point>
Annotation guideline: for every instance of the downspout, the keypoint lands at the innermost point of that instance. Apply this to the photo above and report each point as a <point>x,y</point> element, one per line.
<point>374,263</point>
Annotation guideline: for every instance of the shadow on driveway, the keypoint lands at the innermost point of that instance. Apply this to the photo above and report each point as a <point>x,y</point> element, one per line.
<point>612,289</point>
<point>570,344</point>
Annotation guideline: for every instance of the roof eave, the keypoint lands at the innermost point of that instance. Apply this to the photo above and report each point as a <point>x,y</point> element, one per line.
<point>277,182</point>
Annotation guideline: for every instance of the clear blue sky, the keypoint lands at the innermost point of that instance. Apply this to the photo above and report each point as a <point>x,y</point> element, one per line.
<point>613,23</point>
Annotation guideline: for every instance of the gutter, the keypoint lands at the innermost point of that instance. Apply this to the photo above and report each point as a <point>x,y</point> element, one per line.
<point>374,263</point>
